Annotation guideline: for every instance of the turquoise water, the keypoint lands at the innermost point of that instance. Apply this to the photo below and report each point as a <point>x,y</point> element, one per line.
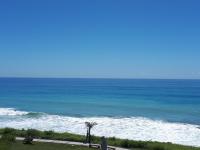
<point>171,100</point>
<point>158,110</point>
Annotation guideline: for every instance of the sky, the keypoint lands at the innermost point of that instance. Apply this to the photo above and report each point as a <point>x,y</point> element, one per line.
<point>100,38</point>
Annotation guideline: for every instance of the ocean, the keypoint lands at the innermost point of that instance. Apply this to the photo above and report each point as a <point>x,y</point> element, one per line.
<point>139,109</point>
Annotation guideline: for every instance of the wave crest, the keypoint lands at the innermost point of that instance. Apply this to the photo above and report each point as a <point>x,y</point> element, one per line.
<point>136,128</point>
<point>11,112</point>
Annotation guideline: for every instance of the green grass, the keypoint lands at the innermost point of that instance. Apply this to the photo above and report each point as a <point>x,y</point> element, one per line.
<point>39,146</point>
<point>131,144</point>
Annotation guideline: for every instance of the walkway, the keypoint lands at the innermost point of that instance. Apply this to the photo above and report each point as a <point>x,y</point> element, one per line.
<point>65,142</point>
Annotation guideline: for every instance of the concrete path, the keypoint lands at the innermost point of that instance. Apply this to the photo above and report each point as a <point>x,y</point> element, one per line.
<point>65,142</point>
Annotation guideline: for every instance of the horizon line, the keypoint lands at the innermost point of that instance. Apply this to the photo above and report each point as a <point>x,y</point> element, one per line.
<point>114,78</point>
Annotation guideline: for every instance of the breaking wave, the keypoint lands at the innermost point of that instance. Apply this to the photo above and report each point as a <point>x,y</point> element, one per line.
<point>136,128</point>
<point>11,112</point>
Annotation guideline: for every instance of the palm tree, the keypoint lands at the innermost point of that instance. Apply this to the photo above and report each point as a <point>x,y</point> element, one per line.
<point>89,126</point>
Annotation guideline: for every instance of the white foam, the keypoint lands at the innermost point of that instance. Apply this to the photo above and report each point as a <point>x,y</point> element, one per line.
<point>11,112</point>
<point>136,128</point>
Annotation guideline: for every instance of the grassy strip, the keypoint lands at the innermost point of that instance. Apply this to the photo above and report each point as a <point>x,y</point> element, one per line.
<point>39,146</point>
<point>146,145</point>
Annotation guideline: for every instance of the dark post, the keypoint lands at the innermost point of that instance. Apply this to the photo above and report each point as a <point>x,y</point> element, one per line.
<point>103,143</point>
<point>89,136</point>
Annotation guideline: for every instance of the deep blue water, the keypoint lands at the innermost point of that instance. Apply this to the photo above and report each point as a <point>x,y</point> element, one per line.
<point>171,100</point>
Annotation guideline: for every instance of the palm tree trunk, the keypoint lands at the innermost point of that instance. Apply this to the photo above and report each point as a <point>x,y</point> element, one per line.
<point>89,138</point>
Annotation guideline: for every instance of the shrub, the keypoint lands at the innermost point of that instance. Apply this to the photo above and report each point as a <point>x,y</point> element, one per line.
<point>137,144</point>
<point>8,137</point>
<point>48,133</point>
<point>112,138</point>
<point>33,133</point>
<point>9,131</point>
<point>125,143</point>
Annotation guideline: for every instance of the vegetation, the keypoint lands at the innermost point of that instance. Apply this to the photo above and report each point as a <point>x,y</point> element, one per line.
<point>8,141</point>
<point>39,146</point>
<point>131,144</point>
<point>8,135</point>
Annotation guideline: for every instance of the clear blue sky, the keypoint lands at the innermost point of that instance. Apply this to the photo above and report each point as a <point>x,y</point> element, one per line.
<point>100,38</point>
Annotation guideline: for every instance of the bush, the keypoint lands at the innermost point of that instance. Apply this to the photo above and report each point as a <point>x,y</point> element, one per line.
<point>112,138</point>
<point>125,143</point>
<point>9,131</point>
<point>48,133</point>
<point>137,144</point>
<point>33,133</point>
<point>8,137</point>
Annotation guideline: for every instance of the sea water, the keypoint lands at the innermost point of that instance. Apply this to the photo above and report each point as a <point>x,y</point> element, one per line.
<point>139,109</point>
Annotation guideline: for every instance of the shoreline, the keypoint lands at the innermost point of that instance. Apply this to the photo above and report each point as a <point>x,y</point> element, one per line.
<point>135,128</point>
